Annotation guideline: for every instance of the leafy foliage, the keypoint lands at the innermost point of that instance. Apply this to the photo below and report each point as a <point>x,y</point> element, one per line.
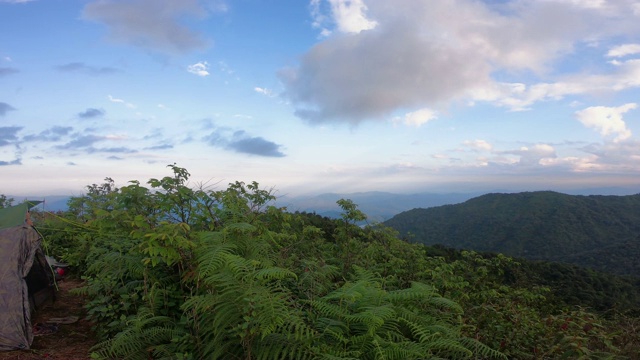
<point>174,272</point>
<point>5,201</point>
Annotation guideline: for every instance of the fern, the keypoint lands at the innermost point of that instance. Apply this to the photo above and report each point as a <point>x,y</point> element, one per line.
<point>362,319</point>
<point>274,273</point>
<point>145,334</point>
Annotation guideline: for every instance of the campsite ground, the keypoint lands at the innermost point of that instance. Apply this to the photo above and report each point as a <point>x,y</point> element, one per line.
<point>71,341</point>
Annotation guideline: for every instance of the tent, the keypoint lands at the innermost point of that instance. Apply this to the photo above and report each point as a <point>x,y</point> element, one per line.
<point>26,281</point>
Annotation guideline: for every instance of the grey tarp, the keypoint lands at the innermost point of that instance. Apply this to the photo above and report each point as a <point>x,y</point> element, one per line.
<point>18,247</point>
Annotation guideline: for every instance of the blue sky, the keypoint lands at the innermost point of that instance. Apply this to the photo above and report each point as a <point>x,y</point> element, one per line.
<point>321,95</point>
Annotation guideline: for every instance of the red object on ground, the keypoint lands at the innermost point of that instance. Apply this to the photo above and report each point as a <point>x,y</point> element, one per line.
<point>60,271</point>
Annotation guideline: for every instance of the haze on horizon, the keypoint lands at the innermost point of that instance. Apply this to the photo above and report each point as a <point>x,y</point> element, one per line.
<point>321,96</point>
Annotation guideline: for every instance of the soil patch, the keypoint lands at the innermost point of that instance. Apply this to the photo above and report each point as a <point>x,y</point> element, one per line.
<point>70,341</point>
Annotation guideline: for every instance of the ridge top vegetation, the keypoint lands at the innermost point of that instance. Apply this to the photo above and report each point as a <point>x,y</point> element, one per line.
<point>175,272</point>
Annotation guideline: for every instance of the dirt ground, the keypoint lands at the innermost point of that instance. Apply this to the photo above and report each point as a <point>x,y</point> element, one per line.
<point>71,341</point>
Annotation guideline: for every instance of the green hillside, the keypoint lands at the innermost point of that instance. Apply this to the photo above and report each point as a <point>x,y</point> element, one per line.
<point>595,231</point>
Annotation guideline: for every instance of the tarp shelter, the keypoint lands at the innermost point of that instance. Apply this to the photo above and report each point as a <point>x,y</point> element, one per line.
<point>25,277</point>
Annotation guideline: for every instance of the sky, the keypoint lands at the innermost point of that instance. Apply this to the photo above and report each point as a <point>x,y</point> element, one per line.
<point>319,96</point>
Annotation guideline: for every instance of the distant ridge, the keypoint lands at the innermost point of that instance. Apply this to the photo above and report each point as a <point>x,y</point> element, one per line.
<point>597,231</point>
<point>378,205</point>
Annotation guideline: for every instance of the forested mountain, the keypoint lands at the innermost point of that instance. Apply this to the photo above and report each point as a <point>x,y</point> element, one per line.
<point>601,232</point>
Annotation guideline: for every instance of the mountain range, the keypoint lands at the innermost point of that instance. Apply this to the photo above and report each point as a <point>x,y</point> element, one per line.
<point>596,231</point>
<point>378,205</point>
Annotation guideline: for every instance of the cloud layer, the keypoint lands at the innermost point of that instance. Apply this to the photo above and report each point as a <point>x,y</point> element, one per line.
<point>4,108</point>
<point>4,71</point>
<point>150,24</point>
<point>383,58</point>
<point>79,67</point>
<point>241,142</point>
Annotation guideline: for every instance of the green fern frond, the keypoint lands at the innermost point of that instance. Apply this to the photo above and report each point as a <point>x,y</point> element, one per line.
<point>211,258</point>
<point>373,317</point>
<point>446,304</point>
<point>239,227</point>
<point>144,334</point>
<point>417,291</point>
<point>274,273</point>
<point>481,349</point>
<point>327,309</point>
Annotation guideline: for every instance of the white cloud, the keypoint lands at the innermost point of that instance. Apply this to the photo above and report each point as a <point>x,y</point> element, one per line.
<point>264,91</point>
<point>200,68</point>
<point>537,154</point>
<point>149,24</point>
<point>607,120</point>
<point>441,156</point>
<point>318,17</point>
<point>624,50</point>
<point>623,156</point>
<point>418,118</point>
<point>350,17</point>
<point>478,145</point>
<point>625,75</point>
<point>428,54</point>
<point>120,101</point>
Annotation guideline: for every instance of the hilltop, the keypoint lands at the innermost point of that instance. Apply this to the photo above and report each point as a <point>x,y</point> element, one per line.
<point>597,231</point>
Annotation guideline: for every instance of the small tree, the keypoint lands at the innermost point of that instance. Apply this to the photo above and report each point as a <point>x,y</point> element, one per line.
<point>5,201</point>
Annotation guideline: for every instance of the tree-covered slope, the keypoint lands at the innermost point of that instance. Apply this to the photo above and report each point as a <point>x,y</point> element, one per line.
<point>595,231</point>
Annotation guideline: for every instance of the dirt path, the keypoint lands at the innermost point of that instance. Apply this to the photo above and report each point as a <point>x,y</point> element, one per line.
<point>71,341</point>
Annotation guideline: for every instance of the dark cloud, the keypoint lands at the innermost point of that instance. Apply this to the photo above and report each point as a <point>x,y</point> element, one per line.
<point>4,108</point>
<point>12,162</point>
<point>407,55</point>
<point>86,143</point>
<point>8,135</point>
<point>208,124</point>
<point>159,147</point>
<point>254,146</point>
<point>81,142</point>
<point>78,67</point>
<point>150,24</point>
<point>53,134</point>
<point>239,141</point>
<point>8,71</point>
<point>91,113</point>
<point>154,134</point>
<point>216,138</point>
<point>113,157</point>
<point>119,150</point>
<point>368,76</point>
